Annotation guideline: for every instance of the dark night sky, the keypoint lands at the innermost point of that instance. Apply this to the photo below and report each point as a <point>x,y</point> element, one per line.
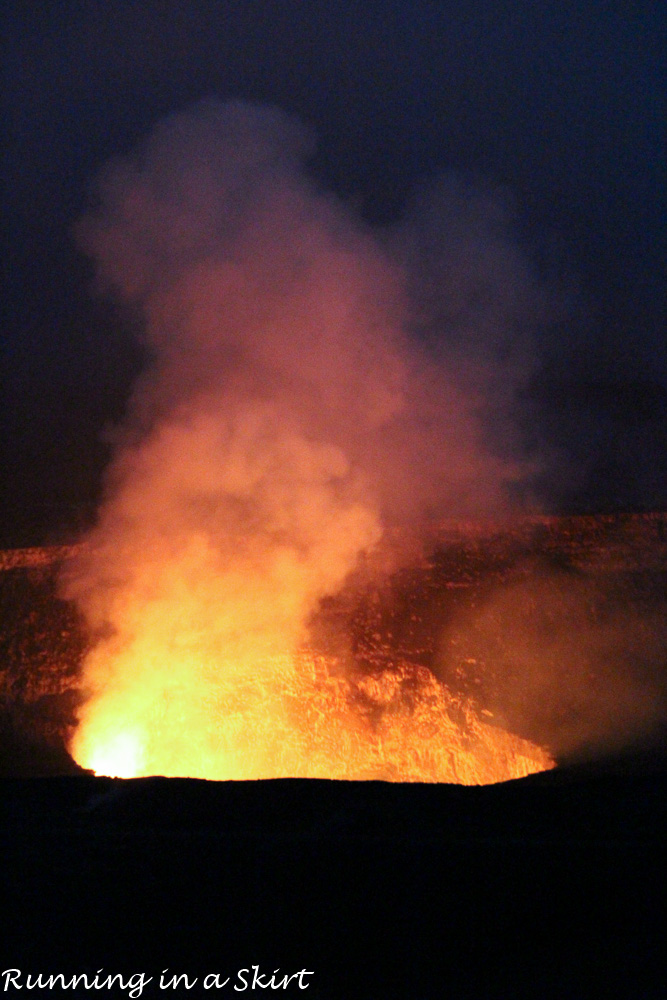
<point>561,103</point>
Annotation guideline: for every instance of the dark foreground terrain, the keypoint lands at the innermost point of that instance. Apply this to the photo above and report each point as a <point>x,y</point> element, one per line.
<point>549,886</point>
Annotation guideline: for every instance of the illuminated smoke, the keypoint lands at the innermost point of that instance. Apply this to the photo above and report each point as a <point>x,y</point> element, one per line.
<point>574,660</point>
<point>292,412</point>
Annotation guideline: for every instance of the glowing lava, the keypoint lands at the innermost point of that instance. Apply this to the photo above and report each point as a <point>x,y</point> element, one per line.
<point>399,725</point>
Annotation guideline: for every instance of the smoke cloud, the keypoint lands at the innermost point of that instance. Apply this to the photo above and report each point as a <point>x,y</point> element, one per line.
<point>311,385</point>
<point>574,660</point>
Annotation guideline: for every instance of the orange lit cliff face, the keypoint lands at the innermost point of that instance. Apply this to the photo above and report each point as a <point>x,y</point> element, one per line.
<point>290,717</point>
<point>286,421</point>
<point>287,717</point>
<point>297,721</point>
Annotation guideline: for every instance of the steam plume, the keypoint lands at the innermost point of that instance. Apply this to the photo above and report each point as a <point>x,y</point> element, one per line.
<point>290,414</point>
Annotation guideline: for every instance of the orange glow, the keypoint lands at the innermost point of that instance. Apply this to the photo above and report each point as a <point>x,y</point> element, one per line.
<point>291,416</point>
<point>298,720</point>
<point>201,577</point>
